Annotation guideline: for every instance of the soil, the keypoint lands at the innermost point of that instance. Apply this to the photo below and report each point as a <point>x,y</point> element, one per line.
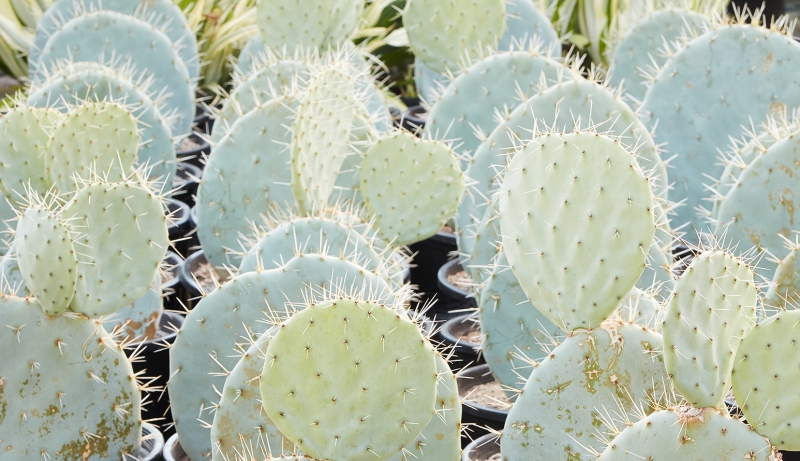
<point>462,281</point>
<point>447,229</point>
<point>205,275</point>
<point>471,336</point>
<point>489,394</point>
<point>189,144</point>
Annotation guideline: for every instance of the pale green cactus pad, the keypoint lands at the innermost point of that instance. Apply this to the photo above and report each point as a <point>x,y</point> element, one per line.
<point>139,321</point>
<point>123,240</point>
<point>643,46</point>
<point>560,408</point>
<point>11,281</point>
<point>349,380</point>
<point>576,215</point>
<point>487,245</point>
<point>47,259</point>
<point>429,83</point>
<point>784,290</point>
<point>74,83</point>
<point>696,103</point>
<point>514,332</point>
<point>94,138</point>
<point>247,174</point>
<point>441,438</point>
<point>240,419</point>
<point>69,393</point>
<point>411,186</point>
<point>688,434</point>
<point>759,209</point>
<point>323,24</point>
<point>445,35</point>
<point>102,36</point>
<point>321,136</point>
<point>641,308</point>
<point>713,308</point>
<point>240,308</point>
<point>489,86</point>
<point>765,363</point>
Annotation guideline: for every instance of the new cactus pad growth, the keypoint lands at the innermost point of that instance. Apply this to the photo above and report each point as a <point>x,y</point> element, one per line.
<point>323,24</point>
<point>349,380</point>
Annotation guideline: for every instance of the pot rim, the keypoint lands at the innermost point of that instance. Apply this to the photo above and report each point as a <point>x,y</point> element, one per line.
<point>477,443</point>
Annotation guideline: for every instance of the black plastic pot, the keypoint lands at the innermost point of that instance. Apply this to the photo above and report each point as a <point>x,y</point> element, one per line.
<point>476,415</point>
<point>186,181</point>
<point>397,116</point>
<point>195,154</point>
<point>188,282</point>
<point>481,448</point>
<point>173,450</point>
<point>180,225</point>
<point>203,121</point>
<point>172,291</point>
<point>414,119</point>
<point>155,364</point>
<point>453,301</point>
<point>429,255</point>
<point>682,256</point>
<point>153,447</point>
<point>466,354</point>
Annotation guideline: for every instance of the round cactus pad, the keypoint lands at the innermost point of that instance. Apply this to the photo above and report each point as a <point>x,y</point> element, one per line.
<point>243,307</point>
<point>525,22</point>
<point>323,24</point>
<point>140,320</point>
<point>95,138</point>
<point>411,186</point>
<point>688,434</point>
<point>122,241</point>
<point>106,35</point>
<point>47,259</point>
<point>69,393</point>
<point>713,307</point>
<point>765,363</point>
<point>557,415</point>
<point>25,131</point>
<point>486,246</point>
<point>785,287</point>
<point>446,34</point>
<point>247,174</point>
<point>697,103</point>
<point>576,218</point>
<point>349,380</point>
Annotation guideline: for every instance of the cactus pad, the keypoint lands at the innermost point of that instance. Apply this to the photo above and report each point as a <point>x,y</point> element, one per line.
<point>139,322</point>
<point>123,240</point>
<point>576,216</point>
<point>713,307</point>
<point>323,24</point>
<point>349,380</point>
<point>47,259</point>
<point>25,131</point>
<point>486,246</point>
<point>411,186</point>
<point>785,287</point>
<point>69,392</point>
<point>765,362</point>
<point>526,22</point>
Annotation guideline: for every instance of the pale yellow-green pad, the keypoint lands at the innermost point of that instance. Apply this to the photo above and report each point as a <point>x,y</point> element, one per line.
<point>445,34</point>
<point>576,219</point>
<point>713,308</point>
<point>24,132</point>
<point>290,25</point>
<point>411,186</point>
<point>46,258</point>
<point>123,239</point>
<point>321,135</point>
<point>99,137</point>
<point>349,381</point>
<point>765,377</point>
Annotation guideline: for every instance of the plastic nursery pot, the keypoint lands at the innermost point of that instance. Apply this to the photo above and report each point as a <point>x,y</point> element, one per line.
<point>454,299</point>
<point>196,268</point>
<point>173,450</point>
<point>171,289</point>
<point>203,121</point>
<point>463,334</point>
<point>478,390</point>
<point>180,224</point>
<point>414,119</point>
<point>429,255</point>
<point>154,362</point>
<point>186,181</point>
<point>152,443</point>
<point>191,150</point>
<point>397,116</point>
<point>683,256</point>
<point>485,448</point>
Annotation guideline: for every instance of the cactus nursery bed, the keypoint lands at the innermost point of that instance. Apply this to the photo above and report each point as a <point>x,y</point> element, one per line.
<point>518,249</point>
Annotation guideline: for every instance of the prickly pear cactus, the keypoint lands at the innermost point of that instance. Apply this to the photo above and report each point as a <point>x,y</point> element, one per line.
<point>644,44</point>
<point>515,333</point>
<point>641,308</point>
<point>320,136</point>
<point>103,36</point>
<point>445,35</point>
<point>411,186</point>
<point>46,257</point>
<point>94,138</point>
<point>765,362</point>
<point>243,307</point>
<point>490,85</point>
<point>116,263</point>
<point>323,24</point>
<point>487,245</point>
<point>785,287</point>
<point>713,308</point>
<point>704,81</point>
<point>556,415</point>
<point>11,281</point>
<point>239,418</point>
<point>68,392</point>
<point>350,380</point>
<point>139,321</point>
<point>525,22</point>
<point>429,83</point>
<point>576,215</point>
<point>688,434</point>
<point>247,174</point>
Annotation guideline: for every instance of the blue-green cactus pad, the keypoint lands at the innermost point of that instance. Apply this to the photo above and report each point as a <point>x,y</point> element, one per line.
<point>486,247</point>
<point>323,24</point>
<point>697,102</point>
<point>526,22</point>
<point>140,321</point>
<point>785,287</point>
<point>67,390</point>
